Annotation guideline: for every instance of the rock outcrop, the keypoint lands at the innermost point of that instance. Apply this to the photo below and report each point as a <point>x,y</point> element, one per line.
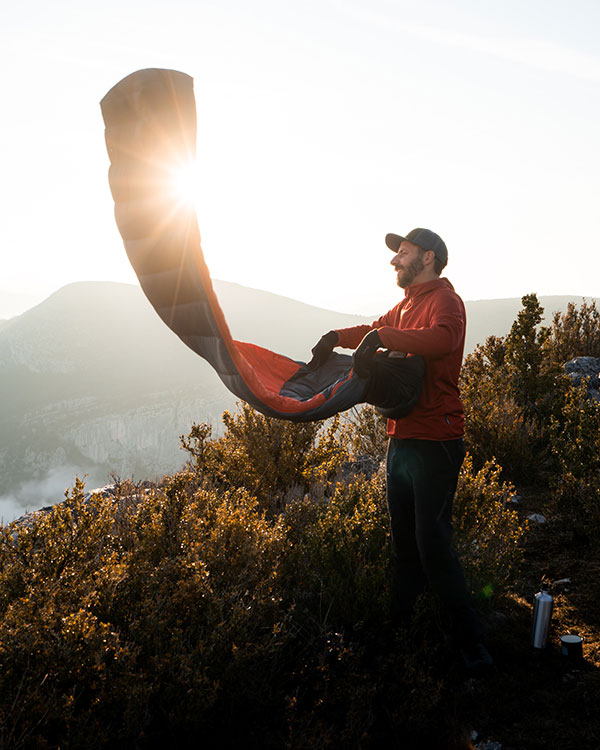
<point>585,369</point>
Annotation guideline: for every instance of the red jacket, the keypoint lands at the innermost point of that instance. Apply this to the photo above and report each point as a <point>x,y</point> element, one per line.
<point>430,321</point>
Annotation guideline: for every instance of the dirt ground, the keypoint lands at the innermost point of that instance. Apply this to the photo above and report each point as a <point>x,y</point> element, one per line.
<point>542,698</point>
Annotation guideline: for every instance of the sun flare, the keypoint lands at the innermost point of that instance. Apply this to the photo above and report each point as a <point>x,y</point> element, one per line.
<point>185,184</point>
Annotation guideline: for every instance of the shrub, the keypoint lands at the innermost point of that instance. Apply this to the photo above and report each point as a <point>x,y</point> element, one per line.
<point>496,425</point>
<point>488,532</point>
<point>513,388</point>
<point>575,440</point>
<point>575,333</point>
<point>157,619</point>
<point>65,673</point>
<point>530,373</point>
<point>365,433</point>
<point>274,459</point>
<point>336,569</point>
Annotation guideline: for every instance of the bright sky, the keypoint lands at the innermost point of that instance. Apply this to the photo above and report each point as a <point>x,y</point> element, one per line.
<point>323,125</point>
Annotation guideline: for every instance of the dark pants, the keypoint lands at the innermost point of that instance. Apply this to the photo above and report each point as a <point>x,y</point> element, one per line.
<point>421,482</point>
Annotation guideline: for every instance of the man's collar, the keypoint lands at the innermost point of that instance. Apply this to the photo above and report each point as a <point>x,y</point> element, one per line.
<point>417,290</point>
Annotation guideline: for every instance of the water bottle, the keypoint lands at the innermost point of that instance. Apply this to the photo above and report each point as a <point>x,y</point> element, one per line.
<point>543,603</point>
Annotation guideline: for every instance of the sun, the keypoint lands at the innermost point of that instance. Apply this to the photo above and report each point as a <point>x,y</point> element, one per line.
<point>184,183</point>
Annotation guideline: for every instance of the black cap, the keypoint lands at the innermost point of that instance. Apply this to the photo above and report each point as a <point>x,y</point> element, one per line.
<point>424,238</point>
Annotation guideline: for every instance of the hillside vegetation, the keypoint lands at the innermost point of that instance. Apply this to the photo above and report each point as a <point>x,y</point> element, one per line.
<point>245,598</point>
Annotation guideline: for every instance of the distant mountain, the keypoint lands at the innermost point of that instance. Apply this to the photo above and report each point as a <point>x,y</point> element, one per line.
<point>92,381</point>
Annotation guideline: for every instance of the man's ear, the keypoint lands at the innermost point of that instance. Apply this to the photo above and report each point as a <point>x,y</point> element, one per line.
<point>429,258</point>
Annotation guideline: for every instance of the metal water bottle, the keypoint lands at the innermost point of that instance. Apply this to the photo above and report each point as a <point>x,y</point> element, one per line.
<point>543,603</point>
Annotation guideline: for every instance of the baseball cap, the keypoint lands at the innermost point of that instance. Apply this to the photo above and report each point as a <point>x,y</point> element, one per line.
<point>424,238</point>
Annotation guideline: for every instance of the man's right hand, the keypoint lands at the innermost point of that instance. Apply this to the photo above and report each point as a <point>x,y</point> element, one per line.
<point>363,357</point>
<point>322,349</point>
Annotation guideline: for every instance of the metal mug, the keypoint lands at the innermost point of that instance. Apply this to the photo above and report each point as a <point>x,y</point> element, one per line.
<point>571,645</point>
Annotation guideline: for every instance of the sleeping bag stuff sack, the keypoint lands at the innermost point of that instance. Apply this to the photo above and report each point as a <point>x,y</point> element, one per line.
<point>150,119</point>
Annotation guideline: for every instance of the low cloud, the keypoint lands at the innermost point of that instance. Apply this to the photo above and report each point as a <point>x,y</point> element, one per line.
<point>37,493</point>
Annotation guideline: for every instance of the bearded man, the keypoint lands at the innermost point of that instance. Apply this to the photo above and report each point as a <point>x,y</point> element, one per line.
<point>426,447</point>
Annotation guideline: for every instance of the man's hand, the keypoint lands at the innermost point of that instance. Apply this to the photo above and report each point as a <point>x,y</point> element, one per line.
<point>322,349</point>
<point>364,354</point>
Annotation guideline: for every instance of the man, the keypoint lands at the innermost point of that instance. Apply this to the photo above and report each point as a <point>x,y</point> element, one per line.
<point>426,448</point>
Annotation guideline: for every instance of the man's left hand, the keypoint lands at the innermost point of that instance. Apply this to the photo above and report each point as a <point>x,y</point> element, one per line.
<point>364,354</point>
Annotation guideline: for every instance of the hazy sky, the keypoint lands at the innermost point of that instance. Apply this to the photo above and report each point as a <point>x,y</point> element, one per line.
<point>323,125</point>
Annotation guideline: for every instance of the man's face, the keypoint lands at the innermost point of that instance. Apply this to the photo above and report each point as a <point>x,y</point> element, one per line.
<point>408,263</point>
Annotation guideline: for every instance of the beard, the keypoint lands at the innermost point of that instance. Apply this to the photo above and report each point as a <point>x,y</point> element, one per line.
<point>407,274</point>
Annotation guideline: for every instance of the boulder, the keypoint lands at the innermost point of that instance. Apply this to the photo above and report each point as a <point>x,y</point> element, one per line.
<point>588,368</point>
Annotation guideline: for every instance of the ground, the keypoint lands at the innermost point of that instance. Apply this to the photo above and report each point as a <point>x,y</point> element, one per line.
<point>541,698</point>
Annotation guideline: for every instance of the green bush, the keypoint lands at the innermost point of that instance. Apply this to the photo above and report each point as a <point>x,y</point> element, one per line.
<point>274,459</point>
<point>575,440</point>
<point>575,333</point>
<point>113,628</point>
<point>488,532</point>
<point>507,387</point>
<point>65,672</point>
<point>175,607</point>
<point>513,388</point>
<point>496,425</point>
<point>365,433</point>
<point>336,570</point>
